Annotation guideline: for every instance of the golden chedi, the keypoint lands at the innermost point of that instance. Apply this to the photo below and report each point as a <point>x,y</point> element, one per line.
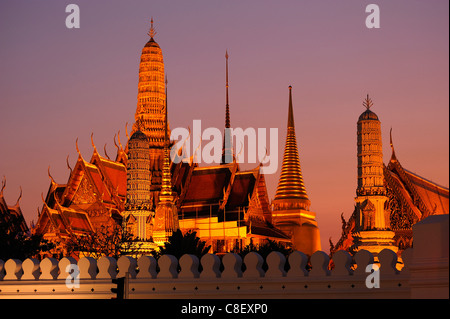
<point>291,205</point>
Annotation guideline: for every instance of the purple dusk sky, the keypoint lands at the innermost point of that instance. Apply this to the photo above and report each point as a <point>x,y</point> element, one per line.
<point>57,84</point>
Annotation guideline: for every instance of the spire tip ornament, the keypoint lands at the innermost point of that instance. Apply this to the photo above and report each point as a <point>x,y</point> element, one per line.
<point>368,102</point>
<point>152,31</point>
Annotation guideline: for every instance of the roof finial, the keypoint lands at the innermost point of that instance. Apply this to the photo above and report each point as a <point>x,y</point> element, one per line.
<point>393,157</point>
<point>67,162</point>
<point>92,142</point>
<point>76,145</point>
<point>20,196</point>
<point>104,150</point>
<point>3,185</point>
<point>152,31</point>
<point>50,175</point>
<point>368,102</point>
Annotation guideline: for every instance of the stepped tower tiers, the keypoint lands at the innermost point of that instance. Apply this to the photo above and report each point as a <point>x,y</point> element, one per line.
<point>137,214</point>
<point>151,104</point>
<point>372,220</point>
<point>291,204</point>
<point>166,215</point>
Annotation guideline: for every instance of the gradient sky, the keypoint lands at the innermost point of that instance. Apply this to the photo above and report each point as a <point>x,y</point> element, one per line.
<point>57,84</point>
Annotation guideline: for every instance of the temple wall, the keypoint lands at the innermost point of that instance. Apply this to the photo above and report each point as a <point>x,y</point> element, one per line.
<point>424,274</point>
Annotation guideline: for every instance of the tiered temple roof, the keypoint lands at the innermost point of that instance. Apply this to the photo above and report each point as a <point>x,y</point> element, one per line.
<point>8,213</point>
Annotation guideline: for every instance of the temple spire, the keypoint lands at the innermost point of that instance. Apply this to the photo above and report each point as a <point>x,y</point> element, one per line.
<point>291,186</point>
<point>166,216</point>
<point>290,207</point>
<point>227,148</point>
<point>227,107</point>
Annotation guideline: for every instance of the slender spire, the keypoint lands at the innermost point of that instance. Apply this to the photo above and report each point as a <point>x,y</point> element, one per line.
<point>227,148</point>
<point>227,110</point>
<point>291,187</point>
<point>166,189</point>
<point>152,31</point>
<point>291,110</point>
<point>393,157</point>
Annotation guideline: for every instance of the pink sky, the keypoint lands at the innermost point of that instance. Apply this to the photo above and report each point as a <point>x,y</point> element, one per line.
<point>57,84</point>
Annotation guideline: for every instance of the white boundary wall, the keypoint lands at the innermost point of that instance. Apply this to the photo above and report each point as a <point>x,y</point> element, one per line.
<point>424,275</point>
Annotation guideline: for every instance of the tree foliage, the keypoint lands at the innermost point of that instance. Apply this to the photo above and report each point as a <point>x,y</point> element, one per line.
<point>108,240</point>
<point>180,244</point>
<point>17,244</point>
<point>265,249</point>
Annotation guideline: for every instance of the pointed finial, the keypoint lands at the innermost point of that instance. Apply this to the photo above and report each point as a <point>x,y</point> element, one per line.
<point>118,139</point>
<point>92,142</point>
<point>50,175</point>
<point>393,157</point>
<point>20,196</point>
<point>152,31</point>
<point>126,131</point>
<point>76,145</point>
<point>104,150</point>
<point>3,185</point>
<point>67,162</point>
<point>368,102</point>
<point>291,110</point>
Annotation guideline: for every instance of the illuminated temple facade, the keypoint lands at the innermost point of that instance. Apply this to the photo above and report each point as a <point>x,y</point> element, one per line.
<point>389,199</point>
<point>151,196</point>
<point>146,193</point>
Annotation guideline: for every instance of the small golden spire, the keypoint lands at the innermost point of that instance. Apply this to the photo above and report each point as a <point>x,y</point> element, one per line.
<point>368,102</point>
<point>166,187</point>
<point>152,31</point>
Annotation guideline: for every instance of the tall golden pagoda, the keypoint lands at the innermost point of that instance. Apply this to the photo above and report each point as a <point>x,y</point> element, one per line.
<point>151,104</point>
<point>372,230</point>
<point>291,204</point>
